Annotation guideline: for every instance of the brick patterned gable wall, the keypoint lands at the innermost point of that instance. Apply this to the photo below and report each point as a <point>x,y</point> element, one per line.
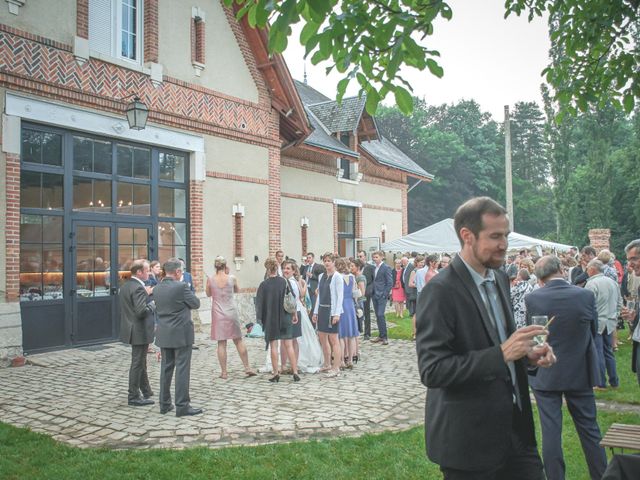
<point>37,65</point>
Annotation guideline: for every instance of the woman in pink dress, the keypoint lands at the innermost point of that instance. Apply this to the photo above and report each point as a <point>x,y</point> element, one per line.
<point>397,291</point>
<point>225,323</point>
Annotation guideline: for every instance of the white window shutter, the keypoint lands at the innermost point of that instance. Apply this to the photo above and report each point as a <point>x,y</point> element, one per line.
<point>100,26</point>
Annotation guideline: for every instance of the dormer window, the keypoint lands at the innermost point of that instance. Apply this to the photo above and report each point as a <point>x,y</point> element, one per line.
<point>115,28</point>
<point>345,138</point>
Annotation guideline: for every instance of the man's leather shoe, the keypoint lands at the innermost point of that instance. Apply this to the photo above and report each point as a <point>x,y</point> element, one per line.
<point>140,402</point>
<point>164,410</point>
<point>147,395</point>
<point>188,412</point>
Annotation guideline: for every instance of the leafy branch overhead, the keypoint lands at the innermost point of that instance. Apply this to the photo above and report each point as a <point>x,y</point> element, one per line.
<point>366,41</point>
<point>594,44</point>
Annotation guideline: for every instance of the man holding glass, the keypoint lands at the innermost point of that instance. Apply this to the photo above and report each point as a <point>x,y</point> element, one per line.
<point>572,321</point>
<point>478,421</point>
<point>630,312</point>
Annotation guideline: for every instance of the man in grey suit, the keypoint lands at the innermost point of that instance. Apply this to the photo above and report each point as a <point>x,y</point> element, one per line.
<point>382,283</point>
<point>572,336</point>
<point>136,329</point>
<point>174,301</point>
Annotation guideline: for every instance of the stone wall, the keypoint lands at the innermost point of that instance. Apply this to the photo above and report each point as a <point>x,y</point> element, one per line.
<point>10,334</point>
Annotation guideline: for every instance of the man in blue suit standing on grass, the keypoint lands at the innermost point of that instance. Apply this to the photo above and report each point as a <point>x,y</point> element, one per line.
<point>572,336</point>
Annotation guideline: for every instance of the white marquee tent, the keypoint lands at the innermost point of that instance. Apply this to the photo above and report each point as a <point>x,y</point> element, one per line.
<point>441,237</point>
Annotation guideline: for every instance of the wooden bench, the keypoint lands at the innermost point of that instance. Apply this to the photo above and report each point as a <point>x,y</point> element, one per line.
<point>622,436</point>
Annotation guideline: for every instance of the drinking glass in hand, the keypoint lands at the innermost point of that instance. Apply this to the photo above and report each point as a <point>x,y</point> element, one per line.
<point>542,321</point>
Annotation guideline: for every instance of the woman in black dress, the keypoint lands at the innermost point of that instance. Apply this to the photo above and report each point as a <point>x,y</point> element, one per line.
<point>275,321</point>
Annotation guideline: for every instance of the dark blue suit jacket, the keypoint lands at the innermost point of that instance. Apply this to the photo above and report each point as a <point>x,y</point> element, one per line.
<point>571,334</point>
<point>383,282</point>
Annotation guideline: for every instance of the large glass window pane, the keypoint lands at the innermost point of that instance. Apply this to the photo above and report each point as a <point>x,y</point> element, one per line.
<point>91,195</point>
<point>51,149</point>
<point>31,146</point>
<point>141,200</point>
<point>52,229</point>
<point>31,228</point>
<point>141,163</point>
<point>172,240</point>
<point>125,160</point>
<point>172,167</point>
<point>102,157</point>
<point>346,224</point>
<point>52,191</point>
<point>30,189</point>
<point>172,202</point>
<point>91,155</point>
<point>125,198</point>
<point>41,262</point>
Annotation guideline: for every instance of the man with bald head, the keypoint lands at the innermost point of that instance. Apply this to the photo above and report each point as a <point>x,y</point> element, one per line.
<point>572,336</point>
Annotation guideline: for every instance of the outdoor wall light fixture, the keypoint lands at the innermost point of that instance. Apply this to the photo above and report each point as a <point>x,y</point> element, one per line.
<point>137,113</point>
<point>304,222</point>
<point>383,227</point>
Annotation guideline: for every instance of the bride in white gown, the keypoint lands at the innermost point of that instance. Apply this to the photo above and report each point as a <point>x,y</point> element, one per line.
<point>310,351</point>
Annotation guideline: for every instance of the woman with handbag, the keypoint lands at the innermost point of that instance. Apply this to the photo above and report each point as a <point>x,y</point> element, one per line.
<point>326,314</point>
<point>225,323</point>
<point>277,322</point>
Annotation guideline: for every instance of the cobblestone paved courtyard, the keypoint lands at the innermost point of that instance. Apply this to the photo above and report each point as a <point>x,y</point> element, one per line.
<point>79,396</point>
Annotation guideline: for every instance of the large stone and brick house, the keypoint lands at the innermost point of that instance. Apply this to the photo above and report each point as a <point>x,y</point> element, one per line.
<point>236,159</point>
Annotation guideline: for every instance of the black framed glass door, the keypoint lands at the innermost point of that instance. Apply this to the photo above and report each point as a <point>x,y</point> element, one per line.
<point>101,258</point>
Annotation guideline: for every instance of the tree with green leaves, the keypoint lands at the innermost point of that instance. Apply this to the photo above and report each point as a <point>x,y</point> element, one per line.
<point>371,41</point>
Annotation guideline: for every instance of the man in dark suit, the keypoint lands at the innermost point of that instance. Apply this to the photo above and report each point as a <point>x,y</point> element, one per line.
<point>411,293</point>
<point>136,329</point>
<point>382,283</point>
<point>367,271</point>
<point>478,422</point>
<point>311,272</point>
<point>631,314</point>
<point>572,336</point>
<point>174,301</point>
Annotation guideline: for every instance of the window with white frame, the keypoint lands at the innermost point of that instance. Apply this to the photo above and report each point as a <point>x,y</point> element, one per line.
<point>115,28</point>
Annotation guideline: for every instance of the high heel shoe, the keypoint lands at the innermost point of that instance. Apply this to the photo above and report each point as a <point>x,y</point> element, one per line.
<point>355,359</point>
<point>296,378</point>
<point>275,378</point>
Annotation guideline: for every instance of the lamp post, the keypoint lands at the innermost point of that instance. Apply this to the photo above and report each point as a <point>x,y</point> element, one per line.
<point>137,113</point>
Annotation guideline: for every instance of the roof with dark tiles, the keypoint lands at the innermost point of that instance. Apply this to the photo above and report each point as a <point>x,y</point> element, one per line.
<point>385,152</point>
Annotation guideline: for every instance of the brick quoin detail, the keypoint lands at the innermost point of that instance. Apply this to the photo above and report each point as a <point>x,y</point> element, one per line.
<point>304,239</point>
<point>82,18</point>
<point>151,31</point>
<point>405,208</point>
<point>195,217</point>
<point>12,229</point>
<point>358,230</point>
<point>238,236</point>
<point>199,29</point>
<point>275,201</point>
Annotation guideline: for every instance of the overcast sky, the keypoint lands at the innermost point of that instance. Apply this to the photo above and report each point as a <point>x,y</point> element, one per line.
<point>485,57</point>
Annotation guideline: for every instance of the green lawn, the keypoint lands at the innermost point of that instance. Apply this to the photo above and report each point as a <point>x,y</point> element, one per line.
<point>24,454</point>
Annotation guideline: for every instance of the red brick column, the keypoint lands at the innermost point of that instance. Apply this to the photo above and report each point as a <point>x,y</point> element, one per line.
<point>150,31</point>
<point>405,210</point>
<point>304,239</point>
<point>238,236</point>
<point>200,41</point>
<point>358,231</point>
<point>275,191</point>
<point>12,228</point>
<point>82,18</point>
<point>195,217</point>
<point>599,238</point>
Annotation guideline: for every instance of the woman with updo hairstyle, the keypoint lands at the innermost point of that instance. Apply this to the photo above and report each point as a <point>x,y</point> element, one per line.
<point>276,322</point>
<point>225,322</point>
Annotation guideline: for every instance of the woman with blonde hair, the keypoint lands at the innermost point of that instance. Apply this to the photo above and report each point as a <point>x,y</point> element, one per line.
<point>225,323</point>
